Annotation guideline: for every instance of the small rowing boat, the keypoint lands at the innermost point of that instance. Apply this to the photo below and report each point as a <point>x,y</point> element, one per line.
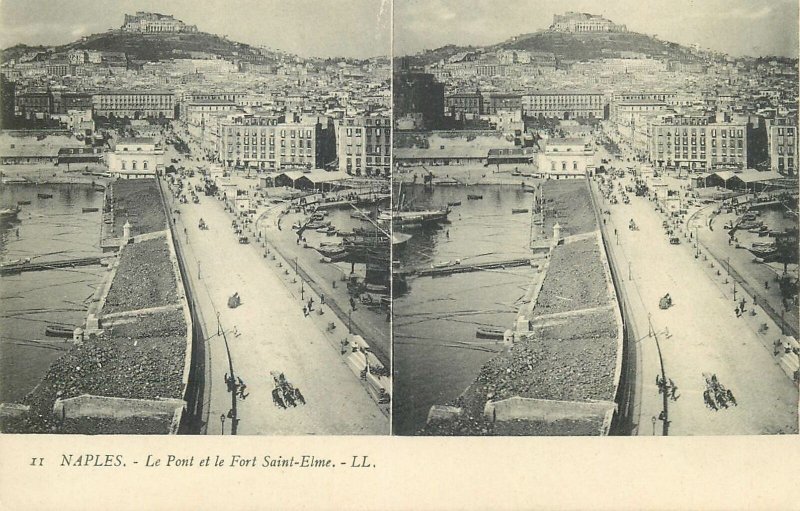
<point>519,210</point>
<point>490,332</point>
<point>474,197</point>
<point>45,195</point>
<point>91,210</point>
<point>59,331</point>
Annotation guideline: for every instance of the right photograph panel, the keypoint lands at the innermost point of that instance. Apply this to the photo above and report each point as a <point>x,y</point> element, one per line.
<point>595,218</point>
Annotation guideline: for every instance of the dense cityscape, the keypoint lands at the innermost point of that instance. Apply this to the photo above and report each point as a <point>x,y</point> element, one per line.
<point>611,211</point>
<point>239,273</point>
<point>580,230</point>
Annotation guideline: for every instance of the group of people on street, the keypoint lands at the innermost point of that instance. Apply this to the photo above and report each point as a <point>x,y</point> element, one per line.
<point>237,386</point>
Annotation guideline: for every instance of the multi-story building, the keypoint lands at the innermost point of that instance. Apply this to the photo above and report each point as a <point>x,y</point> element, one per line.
<point>135,104</point>
<point>563,104</point>
<point>494,101</point>
<point>32,104</point>
<point>565,157</point>
<point>584,22</point>
<point>58,68</point>
<point>698,142</point>
<point>363,145</point>
<point>463,104</point>
<point>153,22</point>
<point>190,98</point>
<point>135,158</point>
<point>265,142</point>
<point>782,143</point>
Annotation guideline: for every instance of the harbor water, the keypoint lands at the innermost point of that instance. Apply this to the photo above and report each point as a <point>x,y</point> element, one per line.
<point>47,229</point>
<point>436,352</point>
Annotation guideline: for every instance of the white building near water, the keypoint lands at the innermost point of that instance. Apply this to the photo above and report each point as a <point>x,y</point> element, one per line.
<point>565,158</point>
<point>136,158</point>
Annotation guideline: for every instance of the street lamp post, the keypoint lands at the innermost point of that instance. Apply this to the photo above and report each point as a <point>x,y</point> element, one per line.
<point>350,321</point>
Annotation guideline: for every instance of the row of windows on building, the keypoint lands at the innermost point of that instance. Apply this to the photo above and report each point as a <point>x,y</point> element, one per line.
<point>702,142</point>
<point>293,151</point>
<point>369,160</point>
<point>370,149</point>
<point>563,166</point>
<point>271,133</point>
<point>134,165</point>
<point>357,131</point>
<point>724,133</point>
<point>292,143</point>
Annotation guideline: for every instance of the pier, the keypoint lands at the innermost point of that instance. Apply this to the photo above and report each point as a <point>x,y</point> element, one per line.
<point>19,267</point>
<point>465,268</point>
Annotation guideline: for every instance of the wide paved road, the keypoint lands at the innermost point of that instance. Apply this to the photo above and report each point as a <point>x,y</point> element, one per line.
<point>268,332</point>
<point>699,334</point>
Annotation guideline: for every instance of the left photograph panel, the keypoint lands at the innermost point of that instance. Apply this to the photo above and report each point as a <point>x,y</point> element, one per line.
<point>191,232</point>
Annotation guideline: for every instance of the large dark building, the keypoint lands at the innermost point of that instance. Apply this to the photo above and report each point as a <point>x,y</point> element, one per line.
<point>419,94</point>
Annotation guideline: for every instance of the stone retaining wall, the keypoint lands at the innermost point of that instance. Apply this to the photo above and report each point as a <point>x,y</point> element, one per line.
<point>119,408</point>
<point>550,410</point>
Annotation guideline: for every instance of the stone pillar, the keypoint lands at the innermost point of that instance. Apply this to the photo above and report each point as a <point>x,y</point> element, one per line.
<point>77,335</point>
<point>556,233</point>
<point>126,231</point>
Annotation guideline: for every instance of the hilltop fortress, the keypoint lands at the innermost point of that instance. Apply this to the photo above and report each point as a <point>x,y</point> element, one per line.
<point>153,22</point>
<point>584,22</point>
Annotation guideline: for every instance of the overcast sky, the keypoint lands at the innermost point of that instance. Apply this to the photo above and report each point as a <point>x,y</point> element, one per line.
<point>346,28</point>
<point>736,27</point>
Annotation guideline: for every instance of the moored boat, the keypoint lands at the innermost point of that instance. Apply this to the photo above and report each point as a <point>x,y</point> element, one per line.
<point>490,332</point>
<point>91,210</point>
<point>59,331</point>
<point>455,203</point>
<point>474,197</point>
<point>9,213</point>
<point>45,195</point>
<point>519,210</point>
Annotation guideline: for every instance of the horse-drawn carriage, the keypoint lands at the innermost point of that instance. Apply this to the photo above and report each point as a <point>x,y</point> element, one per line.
<point>285,394</point>
<point>716,396</point>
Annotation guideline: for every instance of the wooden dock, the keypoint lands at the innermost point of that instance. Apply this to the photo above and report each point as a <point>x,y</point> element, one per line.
<point>465,268</point>
<point>19,267</point>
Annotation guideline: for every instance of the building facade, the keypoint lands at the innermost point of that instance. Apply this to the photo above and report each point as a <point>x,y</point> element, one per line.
<point>135,158</point>
<point>463,104</point>
<point>782,143</point>
<point>265,142</point>
<point>134,104</point>
<point>153,22</point>
<point>563,105</point>
<point>363,145</point>
<point>584,22</point>
<point>495,101</point>
<point>698,142</point>
<point>565,158</point>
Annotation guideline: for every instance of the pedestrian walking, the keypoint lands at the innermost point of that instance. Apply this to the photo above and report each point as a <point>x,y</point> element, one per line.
<point>310,305</point>
<point>322,299</point>
<point>736,310</point>
<point>352,303</point>
<point>305,311</point>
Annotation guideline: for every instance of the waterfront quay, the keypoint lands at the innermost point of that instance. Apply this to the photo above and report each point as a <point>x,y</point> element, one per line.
<point>268,334</point>
<point>699,342</point>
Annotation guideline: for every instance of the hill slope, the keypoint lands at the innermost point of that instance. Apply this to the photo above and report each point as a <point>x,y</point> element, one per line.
<point>153,47</point>
<point>569,46</point>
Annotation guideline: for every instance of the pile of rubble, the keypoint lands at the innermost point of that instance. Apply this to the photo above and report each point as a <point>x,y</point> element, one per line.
<point>138,201</point>
<point>144,278</point>
<point>575,279</point>
<point>143,360</point>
